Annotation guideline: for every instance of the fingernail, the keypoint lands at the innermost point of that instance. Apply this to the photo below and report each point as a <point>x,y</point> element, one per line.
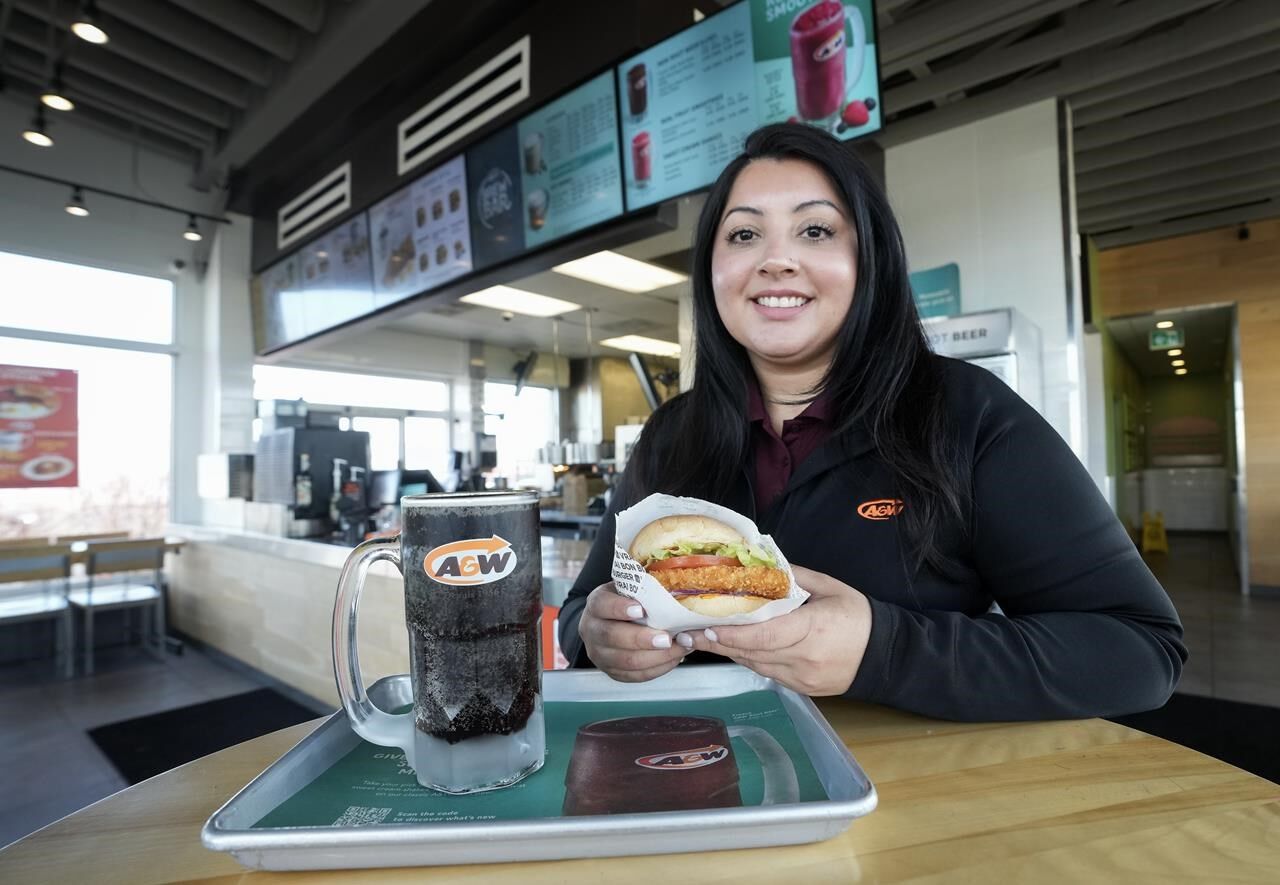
<point>711,634</point>
<point>684,639</point>
<point>662,640</point>
<point>635,611</point>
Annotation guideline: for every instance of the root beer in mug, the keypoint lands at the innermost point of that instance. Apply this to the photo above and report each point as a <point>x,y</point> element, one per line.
<point>472,566</point>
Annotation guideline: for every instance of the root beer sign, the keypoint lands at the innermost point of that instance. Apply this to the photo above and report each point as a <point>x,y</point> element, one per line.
<point>38,428</point>
<point>470,562</point>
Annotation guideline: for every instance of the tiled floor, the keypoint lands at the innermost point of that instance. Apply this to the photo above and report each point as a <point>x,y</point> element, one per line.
<point>51,767</point>
<point>1234,640</point>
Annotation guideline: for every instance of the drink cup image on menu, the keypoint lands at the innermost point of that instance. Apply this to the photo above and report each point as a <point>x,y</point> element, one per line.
<point>12,442</point>
<point>539,200</point>
<point>637,91</point>
<point>533,163</point>
<point>820,65</point>
<point>641,159</point>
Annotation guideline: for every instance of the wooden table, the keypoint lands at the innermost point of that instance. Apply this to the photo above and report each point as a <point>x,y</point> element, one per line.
<point>1085,801</point>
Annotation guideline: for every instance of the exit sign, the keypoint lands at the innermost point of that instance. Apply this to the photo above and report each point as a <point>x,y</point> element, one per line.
<point>1164,339</point>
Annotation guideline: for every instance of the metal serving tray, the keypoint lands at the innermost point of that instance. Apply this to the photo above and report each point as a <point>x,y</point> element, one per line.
<point>850,793</point>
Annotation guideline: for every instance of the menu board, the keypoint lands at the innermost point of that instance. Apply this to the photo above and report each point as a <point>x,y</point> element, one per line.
<point>570,175</point>
<point>39,428</point>
<point>420,235</point>
<point>494,195</point>
<point>335,273</point>
<point>282,312</point>
<point>815,62</point>
<point>688,104</point>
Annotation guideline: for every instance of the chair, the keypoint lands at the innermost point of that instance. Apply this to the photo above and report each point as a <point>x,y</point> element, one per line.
<point>120,557</point>
<point>91,536</point>
<point>46,564</point>
<point>9,543</point>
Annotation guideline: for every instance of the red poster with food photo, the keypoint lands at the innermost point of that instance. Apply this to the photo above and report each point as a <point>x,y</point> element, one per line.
<point>38,428</point>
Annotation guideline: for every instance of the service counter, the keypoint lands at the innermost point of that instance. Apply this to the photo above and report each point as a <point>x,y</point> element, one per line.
<point>268,601</point>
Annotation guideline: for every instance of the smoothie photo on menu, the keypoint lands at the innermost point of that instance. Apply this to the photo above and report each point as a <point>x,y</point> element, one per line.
<point>637,92</point>
<point>818,58</point>
<point>641,167</point>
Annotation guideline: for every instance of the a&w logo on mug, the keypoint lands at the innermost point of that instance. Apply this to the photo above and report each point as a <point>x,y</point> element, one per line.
<point>682,759</point>
<point>470,562</point>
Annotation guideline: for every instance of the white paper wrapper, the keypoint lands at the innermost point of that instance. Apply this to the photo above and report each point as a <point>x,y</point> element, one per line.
<point>662,612</point>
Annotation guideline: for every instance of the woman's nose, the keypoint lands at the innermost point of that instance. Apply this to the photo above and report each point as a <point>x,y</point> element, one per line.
<point>778,266</point>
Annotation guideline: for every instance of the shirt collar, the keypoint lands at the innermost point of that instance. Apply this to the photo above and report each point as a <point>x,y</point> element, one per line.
<point>819,410</point>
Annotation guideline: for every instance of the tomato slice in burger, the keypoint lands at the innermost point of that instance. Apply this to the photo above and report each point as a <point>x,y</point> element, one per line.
<point>696,561</point>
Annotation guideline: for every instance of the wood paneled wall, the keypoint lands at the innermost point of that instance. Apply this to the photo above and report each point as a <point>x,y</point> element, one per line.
<point>1213,267</point>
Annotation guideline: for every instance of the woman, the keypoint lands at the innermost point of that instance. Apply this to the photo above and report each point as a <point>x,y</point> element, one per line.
<point>910,491</point>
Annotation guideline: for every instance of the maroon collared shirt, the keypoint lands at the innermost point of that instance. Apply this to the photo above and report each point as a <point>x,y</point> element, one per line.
<point>777,456</point>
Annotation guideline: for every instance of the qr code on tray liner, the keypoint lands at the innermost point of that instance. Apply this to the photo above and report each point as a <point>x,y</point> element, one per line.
<point>360,816</point>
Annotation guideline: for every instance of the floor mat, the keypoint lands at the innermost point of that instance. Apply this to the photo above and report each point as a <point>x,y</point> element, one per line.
<point>1245,735</point>
<point>143,747</point>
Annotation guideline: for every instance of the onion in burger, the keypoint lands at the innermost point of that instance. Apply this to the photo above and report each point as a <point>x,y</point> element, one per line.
<point>708,567</point>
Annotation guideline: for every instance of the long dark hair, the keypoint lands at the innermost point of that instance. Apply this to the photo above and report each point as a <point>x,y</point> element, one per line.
<point>883,382</point>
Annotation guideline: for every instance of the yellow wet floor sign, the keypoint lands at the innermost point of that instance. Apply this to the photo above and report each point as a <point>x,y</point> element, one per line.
<point>1154,537</point>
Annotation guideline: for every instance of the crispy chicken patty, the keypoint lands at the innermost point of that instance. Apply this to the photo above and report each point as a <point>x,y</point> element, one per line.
<point>770,583</point>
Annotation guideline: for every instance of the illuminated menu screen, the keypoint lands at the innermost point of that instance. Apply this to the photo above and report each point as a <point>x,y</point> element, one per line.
<point>569,166</point>
<point>420,235</point>
<point>689,102</point>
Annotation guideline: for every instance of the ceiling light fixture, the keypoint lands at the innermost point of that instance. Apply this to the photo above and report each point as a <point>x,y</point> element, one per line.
<point>75,206</point>
<point>88,24</point>
<point>192,232</point>
<point>620,272</point>
<point>1179,371</point>
<point>55,96</point>
<point>1165,324</point>
<point>641,344</point>
<point>519,301</point>
<point>1175,352</point>
<point>1177,363</point>
<point>37,133</point>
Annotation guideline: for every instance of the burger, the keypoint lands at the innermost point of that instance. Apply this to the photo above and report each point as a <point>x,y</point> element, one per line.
<point>708,567</point>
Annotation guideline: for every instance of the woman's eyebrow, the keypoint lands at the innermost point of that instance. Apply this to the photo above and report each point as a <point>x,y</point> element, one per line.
<point>751,209</point>
<point>800,207</point>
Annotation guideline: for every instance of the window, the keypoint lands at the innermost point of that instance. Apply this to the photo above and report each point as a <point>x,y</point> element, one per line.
<point>427,445</point>
<point>384,441</point>
<point>50,296</point>
<point>125,402</point>
<point>346,389</point>
<point>522,424</point>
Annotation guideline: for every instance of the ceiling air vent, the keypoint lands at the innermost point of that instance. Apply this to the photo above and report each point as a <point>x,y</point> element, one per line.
<point>495,87</point>
<point>323,201</point>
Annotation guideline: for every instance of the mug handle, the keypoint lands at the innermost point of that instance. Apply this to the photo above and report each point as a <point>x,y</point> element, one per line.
<point>780,784</point>
<point>853,72</point>
<point>372,724</point>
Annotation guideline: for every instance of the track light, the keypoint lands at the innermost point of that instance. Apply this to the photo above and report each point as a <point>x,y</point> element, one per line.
<point>192,232</point>
<point>88,24</point>
<point>55,96</point>
<point>75,206</point>
<point>38,132</point>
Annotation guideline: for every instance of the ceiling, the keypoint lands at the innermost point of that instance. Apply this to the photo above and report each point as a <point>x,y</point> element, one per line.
<point>1207,332</point>
<point>209,82</point>
<point>1176,103</point>
<point>609,312</point>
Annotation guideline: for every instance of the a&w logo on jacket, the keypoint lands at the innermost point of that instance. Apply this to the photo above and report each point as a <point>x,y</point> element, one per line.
<point>470,562</point>
<point>682,759</point>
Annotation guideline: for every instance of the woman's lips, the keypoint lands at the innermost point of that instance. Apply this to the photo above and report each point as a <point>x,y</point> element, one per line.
<point>780,306</point>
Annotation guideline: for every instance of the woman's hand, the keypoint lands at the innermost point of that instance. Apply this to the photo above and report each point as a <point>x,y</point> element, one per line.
<point>625,650</point>
<point>815,650</point>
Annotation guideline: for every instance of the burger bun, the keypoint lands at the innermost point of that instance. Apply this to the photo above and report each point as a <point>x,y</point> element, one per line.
<point>721,605</point>
<point>663,533</point>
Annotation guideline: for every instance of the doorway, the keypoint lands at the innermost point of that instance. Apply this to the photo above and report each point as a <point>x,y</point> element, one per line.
<point>1175,422</point>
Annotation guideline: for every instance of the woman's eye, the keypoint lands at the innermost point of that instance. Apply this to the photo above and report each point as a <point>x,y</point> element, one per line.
<point>741,236</point>
<point>816,232</point>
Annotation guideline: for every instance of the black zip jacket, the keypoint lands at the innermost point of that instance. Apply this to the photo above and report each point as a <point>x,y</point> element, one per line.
<point>1084,628</point>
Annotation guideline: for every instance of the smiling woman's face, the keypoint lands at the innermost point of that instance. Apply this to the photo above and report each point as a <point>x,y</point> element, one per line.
<point>784,264</point>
